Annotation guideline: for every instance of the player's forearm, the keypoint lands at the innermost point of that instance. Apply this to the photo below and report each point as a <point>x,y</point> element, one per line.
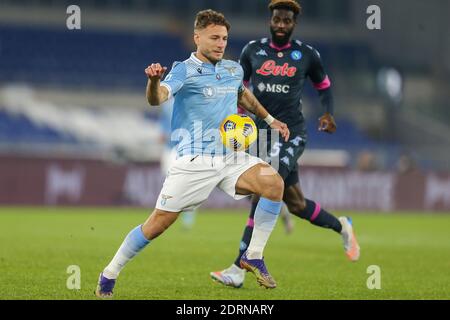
<point>156,94</point>
<point>249,102</point>
<point>326,99</point>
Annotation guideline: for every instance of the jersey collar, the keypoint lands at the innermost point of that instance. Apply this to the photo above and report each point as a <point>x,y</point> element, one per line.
<point>274,46</point>
<point>201,63</point>
<point>195,59</point>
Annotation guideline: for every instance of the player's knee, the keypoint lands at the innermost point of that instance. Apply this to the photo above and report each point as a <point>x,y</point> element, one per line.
<point>273,189</point>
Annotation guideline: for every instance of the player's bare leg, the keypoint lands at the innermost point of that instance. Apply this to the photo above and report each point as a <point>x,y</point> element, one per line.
<point>264,181</point>
<point>312,211</point>
<point>158,222</point>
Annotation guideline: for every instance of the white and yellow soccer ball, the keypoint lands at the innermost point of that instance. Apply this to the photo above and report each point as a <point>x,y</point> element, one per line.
<point>238,132</point>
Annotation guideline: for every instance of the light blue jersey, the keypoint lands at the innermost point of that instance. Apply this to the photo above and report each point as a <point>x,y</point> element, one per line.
<point>166,122</point>
<point>205,94</point>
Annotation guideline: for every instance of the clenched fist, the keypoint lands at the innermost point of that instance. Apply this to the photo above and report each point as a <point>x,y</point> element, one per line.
<point>327,123</point>
<point>155,71</point>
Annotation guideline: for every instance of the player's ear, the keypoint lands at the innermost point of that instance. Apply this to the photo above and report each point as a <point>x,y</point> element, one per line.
<point>196,38</point>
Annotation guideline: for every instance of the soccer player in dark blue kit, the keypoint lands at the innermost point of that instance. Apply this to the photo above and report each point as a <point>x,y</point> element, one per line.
<point>277,69</point>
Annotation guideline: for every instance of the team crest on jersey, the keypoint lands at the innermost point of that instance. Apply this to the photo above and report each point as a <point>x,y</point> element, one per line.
<point>262,52</point>
<point>164,199</point>
<point>296,55</point>
<point>231,70</point>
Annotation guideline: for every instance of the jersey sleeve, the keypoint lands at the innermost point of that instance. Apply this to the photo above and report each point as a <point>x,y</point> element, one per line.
<point>321,82</point>
<point>245,62</point>
<point>242,84</point>
<point>174,81</point>
<point>317,72</point>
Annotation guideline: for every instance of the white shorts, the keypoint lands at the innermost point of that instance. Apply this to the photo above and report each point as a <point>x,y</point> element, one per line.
<point>192,178</point>
<point>168,157</point>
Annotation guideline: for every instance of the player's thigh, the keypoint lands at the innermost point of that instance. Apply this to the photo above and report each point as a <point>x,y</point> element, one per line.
<point>241,175</point>
<point>260,179</point>
<point>189,182</point>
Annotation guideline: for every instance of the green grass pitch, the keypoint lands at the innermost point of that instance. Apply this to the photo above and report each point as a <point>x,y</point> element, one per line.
<point>38,244</point>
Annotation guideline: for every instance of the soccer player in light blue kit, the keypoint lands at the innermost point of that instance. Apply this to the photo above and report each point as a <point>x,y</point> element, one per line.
<point>207,89</point>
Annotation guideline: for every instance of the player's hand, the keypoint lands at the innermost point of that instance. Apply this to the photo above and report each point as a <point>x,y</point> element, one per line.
<point>155,71</point>
<point>327,123</point>
<point>282,127</point>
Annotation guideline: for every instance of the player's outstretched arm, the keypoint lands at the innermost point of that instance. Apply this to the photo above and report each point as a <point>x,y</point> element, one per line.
<point>156,94</point>
<point>248,101</point>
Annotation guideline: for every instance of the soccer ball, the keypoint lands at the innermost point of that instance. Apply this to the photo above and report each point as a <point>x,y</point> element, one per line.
<point>238,132</point>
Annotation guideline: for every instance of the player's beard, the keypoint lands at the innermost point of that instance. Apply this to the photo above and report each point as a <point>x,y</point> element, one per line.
<point>281,41</point>
<point>210,57</point>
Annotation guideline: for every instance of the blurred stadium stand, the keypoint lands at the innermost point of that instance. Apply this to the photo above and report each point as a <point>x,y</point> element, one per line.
<point>104,132</point>
<point>82,59</point>
<point>84,88</point>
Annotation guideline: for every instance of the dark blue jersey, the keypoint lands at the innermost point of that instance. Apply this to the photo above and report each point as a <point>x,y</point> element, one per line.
<point>278,77</point>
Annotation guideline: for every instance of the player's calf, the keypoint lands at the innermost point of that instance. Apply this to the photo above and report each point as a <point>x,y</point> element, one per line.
<point>297,207</point>
<point>309,210</point>
<point>157,223</point>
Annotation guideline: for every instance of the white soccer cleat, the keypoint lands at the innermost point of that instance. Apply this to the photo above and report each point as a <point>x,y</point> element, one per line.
<point>351,246</point>
<point>232,277</point>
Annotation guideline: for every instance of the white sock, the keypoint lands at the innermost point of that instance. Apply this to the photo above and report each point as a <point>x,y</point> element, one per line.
<point>134,242</point>
<point>266,215</point>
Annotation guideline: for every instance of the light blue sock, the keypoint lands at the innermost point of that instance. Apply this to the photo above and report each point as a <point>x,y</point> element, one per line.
<point>188,219</point>
<point>134,242</point>
<point>266,216</point>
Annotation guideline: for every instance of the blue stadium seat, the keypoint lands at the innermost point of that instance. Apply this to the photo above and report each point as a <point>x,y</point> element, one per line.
<point>80,58</point>
<point>19,129</point>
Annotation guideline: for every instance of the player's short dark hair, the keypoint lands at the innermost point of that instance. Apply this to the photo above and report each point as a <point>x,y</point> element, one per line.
<point>291,5</point>
<point>209,17</point>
